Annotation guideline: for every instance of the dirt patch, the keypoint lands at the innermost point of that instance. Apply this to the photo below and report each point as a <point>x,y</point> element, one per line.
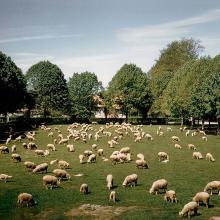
<point>98,212</point>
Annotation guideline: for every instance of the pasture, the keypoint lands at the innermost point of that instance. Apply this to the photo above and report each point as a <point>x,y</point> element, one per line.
<point>185,175</point>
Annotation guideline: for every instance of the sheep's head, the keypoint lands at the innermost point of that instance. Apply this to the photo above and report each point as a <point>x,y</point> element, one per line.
<point>180,214</point>
<point>151,190</point>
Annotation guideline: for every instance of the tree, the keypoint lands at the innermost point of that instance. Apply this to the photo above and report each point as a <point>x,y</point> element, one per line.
<point>130,88</point>
<point>47,82</point>
<point>83,87</point>
<point>12,86</point>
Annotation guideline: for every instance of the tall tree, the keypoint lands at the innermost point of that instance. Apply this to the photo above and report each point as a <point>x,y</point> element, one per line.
<point>83,87</point>
<point>130,88</point>
<point>47,82</point>
<point>12,86</point>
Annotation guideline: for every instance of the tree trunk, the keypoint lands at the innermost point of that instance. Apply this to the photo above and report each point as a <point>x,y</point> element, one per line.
<point>144,116</point>
<point>182,120</point>
<point>202,124</point>
<point>192,122</point>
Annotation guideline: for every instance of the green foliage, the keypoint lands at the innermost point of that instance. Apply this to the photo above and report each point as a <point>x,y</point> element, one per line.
<point>12,86</point>
<point>47,82</point>
<point>82,88</point>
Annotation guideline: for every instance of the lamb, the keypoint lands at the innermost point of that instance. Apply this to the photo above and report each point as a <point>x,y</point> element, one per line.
<point>13,149</point>
<point>175,138</point>
<point>51,147</point>
<point>50,180</point>
<point>203,197</point>
<point>141,164</point>
<point>29,165</point>
<point>197,155</point>
<point>170,196</point>
<point>188,209</point>
<point>4,149</point>
<point>16,157</point>
<point>213,185</point>
<point>130,179</point>
<point>109,180</point>
<point>163,156</point>
<point>5,177</point>
<point>177,146</point>
<point>84,188</point>
<point>100,152</point>
<point>112,196</point>
<point>61,174</point>
<point>92,158</point>
<point>70,147</point>
<point>157,185</point>
<point>40,168</point>
<point>209,157</point>
<point>26,197</point>
<point>191,146</point>
<point>63,164</point>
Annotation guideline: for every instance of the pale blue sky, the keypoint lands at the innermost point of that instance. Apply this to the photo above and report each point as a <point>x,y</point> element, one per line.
<point>102,35</point>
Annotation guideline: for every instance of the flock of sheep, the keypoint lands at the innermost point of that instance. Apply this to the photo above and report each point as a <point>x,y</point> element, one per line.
<point>114,133</point>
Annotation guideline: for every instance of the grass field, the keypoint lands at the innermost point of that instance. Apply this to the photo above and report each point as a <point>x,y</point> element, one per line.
<point>185,175</point>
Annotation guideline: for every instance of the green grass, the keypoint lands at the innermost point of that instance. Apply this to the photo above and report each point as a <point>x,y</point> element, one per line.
<point>185,175</point>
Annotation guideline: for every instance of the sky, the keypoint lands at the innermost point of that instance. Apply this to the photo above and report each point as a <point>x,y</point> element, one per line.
<point>100,36</point>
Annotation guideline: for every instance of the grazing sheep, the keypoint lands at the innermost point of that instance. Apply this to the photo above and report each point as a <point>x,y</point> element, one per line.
<point>191,146</point>
<point>202,197</point>
<point>30,137</point>
<point>13,149</point>
<point>16,157</point>
<point>209,157</point>
<point>50,134</point>
<point>188,209</point>
<point>92,158</point>
<point>29,165</point>
<point>39,152</point>
<point>213,185</point>
<point>140,156</point>
<point>50,180</point>
<point>204,138</point>
<point>31,146</point>
<point>61,174</point>
<point>4,149</point>
<point>187,133</point>
<point>63,141</point>
<point>52,162</point>
<point>125,150</point>
<point>169,129</point>
<point>51,147</point>
<point>94,146</point>
<point>163,156</point>
<point>26,197</point>
<point>175,138</point>
<point>63,164</point>
<point>70,147</point>
<point>157,185</point>
<point>177,146</point>
<point>141,164</point>
<point>40,168</point>
<point>100,152</point>
<point>81,157</point>
<point>149,137</point>
<point>214,218</point>
<point>202,132</point>
<point>130,179</point>
<point>84,188</point>
<point>170,196</point>
<point>115,158</point>
<point>5,177</point>
<point>25,146</point>
<point>112,196</point>
<point>137,139</point>
<point>109,180</point>
<point>197,155</point>
<point>87,153</point>
<point>18,138</point>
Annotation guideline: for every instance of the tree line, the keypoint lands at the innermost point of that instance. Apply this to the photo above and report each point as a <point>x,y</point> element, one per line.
<point>181,84</point>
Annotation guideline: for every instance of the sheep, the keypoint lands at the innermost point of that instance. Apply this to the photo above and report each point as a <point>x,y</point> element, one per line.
<point>61,174</point>
<point>16,157</point>
<point>26,197</point>
<point>25,146</point>
<point>137,139</point>
<point>8,139</point>
<point>112,196</point>
<point>140,156</point>
<point>213,185</point>
<point>70,147</point>
<point>4,149</point>
<point>109,180</point>
<point>209,157</point>
<point>130,179</point>
<point>191,146</point>
<point>5,177</point>
<point>31,146</point>
<point>51,147</point>
<point>63,141</point>
<point>39,152</point>
<point>52,162</point>
<point>141,164</point>
<point>114,158</point>
<point>63,164</point>
<point>187,133</point>
<point>188,209</point>
<point>157,185</point>
<point>177,146</point>
<point>50,180</point>
<point>40,168</point>
<point>125,150</point>
<point>94,146</point>
<point>197,155</point>
<point>202,132</point>
<point>50,134</point>
<point>202,197</point>
<point>87,153</point>
<point>13,149</point>
<point>92,158</point>
<point>30,137</point>
<point>18,138</point>
<point>163,156</point>
<point>29,165</point>
<point>169,129</point>
<point>81,157</point>
<point>170,196</point>
<point>149,137</point>
<point>175,138</point>
<point>100,152</point>
<point>84,188</point>
<point>204,138</point>
<point>214,218</point>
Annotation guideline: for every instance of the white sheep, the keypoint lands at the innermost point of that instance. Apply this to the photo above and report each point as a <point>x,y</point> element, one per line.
<point>70,147</point>
<point>188,209</point>
<point>169,129</point>
<point>50,180</point>
<point>109,180</point>
<point>26,197</point>
<point>187,133</point>
<point>40,168</point>
<point>115,158</point>
<point>141,164</point>
<point>51,147</point>
<point>112,196</point>
<point>63,141</point>
<point>204,138</point>
<point>170,196</point>
<point>175,138</point>
<point>29,165</point>
<point>92,158</point>
<point>125,150</point>
<point>31,146</point>
<point>52,162</point>
<point>87,153</point>
<point>100,152</point>
<point>84,188</point>
<point>197,155</point>
<point>149,137</point>
<point>163,156</point>
<point>177,146</point>
<point>18,138</point>
<point>63,164</point>
<point>81,157</point>
<point>61,174</point>
<point>5,177</point>
<point>94,146</point>
<point>191,146</point>
<point>213,185</point>
<point>13,149</point>
<point>4,149</point>
<point>158,185</point>
<point>209,157</point>
<point>39,152</point>
<point>203,197</point>
<point>130,180</point>
<point>16,157</point>
<point>140,156</point>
